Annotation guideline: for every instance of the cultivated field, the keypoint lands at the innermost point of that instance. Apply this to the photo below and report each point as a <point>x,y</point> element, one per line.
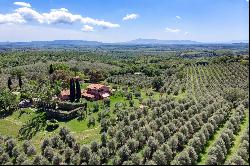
<point>164,108</point>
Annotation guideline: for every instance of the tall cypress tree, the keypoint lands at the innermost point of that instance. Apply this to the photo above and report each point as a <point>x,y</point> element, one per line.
<point>20,82</point>
<point>9,83</point>
<point>72,90</point>
<point>51,70</point>
<point>78,90</point>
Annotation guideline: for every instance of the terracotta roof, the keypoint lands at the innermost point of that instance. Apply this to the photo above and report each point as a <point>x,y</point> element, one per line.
<point>65,93</point>
<point>88,95</point>
<point>95,86</point>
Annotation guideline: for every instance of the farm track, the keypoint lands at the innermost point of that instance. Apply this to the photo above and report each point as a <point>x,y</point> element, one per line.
<point>210,143</point>
<point>193,86</point>
<point>204,154</point>
<point>14,121</point>
<point>237,141</point>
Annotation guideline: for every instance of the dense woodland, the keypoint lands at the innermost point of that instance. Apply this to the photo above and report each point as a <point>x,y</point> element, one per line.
<point>169,106</point>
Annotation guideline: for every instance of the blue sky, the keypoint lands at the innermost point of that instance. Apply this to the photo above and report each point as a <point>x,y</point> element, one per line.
<point>124,20</point>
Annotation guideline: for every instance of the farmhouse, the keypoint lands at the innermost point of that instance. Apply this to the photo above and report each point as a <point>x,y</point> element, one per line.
<point>96,92</point>
<point>92,92</point>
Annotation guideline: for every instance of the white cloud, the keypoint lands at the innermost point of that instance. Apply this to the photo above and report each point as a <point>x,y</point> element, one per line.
<point>186,33</point>
<point>23,4</point>
<point>132,16</point>
<point>61,9</point>
<point>60,16</point>
<point>247,0</point>
<point>172,30</point>
<point>178,17</point>
<point>87,28</point>
<point>13,18</point>
<point>87,20</point>
<point>29,14</point>
<point>55,16</point>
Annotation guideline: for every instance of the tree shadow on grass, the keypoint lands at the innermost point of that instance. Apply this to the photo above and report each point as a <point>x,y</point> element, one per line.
<point>32,127</point>
<point>4,114</point>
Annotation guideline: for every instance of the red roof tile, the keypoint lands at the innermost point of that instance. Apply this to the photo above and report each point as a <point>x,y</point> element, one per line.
<point>65,93</point>
<point>95,86</point>
<point>88,95</point>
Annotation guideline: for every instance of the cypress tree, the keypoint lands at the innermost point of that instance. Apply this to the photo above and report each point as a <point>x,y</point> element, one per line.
<point>9,83</point>
<point>157,83</point>
<point>51,70</point>
<point>78,90</point>
<point>20,82</point>
<point>72,90</point>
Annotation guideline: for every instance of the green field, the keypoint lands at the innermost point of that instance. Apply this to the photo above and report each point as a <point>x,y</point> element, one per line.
<point>12,124</point>
<point>163,109</point>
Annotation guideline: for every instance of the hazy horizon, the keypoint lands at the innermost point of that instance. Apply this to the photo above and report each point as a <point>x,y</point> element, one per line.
<point>207,42</point>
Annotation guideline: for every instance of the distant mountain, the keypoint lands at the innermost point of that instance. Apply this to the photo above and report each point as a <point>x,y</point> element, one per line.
<point>55,43</point>
<point>239,41</point>
<point>74,42</point>
<point>84,43</point>
<point>156,41</point>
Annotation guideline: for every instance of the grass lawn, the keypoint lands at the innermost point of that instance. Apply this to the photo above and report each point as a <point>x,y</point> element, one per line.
<point>10,125</point>
<point>180,96</point>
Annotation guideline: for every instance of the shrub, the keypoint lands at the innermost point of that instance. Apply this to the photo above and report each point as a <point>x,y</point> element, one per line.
<point>38,160</point>
<point>159,158</point>
<point>234,94</point>
<point>48,153</point>
<point>104,154</point>
<point>57,159</point>
<point>94,146</point>
<point>8,101</point>
<point>91,121</point>
<point>124,153</point>
<point>4,158</point>
<point>94,159</point>
<point>46,143</point>
<point>52,124</point>
<point>63,133</point>
<point>10,144</point>
<point>137,94</point>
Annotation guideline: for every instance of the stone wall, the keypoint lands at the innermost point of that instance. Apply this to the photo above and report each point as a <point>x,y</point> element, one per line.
<point>68,106</point>
<point>63,115</point>
<point>64,110</point>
